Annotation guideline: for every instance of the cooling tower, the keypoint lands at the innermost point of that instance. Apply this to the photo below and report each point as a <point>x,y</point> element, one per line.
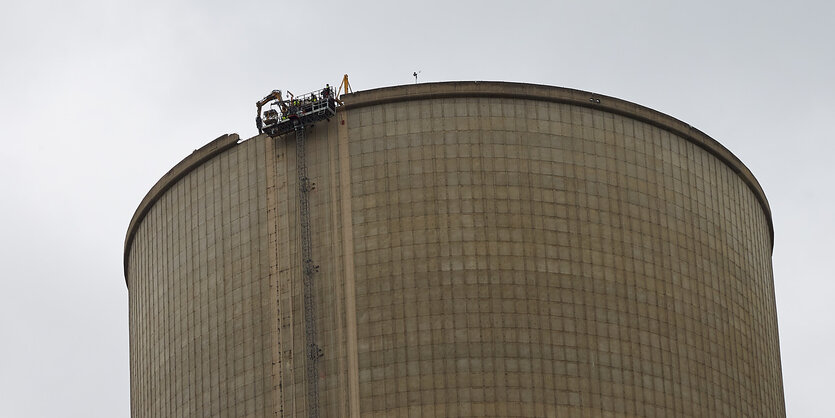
<point>476,249</point>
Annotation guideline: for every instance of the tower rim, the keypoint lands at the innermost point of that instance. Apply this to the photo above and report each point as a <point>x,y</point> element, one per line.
<point>471,89</point>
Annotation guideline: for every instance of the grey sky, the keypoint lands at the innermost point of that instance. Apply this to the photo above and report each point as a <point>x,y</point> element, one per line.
<point>98,99</point>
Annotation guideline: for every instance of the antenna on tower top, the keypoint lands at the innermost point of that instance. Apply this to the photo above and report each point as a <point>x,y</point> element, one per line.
<point>416,74</point>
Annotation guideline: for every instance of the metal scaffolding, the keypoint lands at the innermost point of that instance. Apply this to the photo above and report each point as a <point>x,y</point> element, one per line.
<point>296,114</point>
<point>314,352</point>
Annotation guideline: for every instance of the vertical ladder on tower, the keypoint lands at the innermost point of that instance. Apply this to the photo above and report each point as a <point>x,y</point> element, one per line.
<point>309,269</point>
<point>283,117</point>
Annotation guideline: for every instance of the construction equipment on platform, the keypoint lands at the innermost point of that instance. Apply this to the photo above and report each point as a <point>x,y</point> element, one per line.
<point>283,116</point>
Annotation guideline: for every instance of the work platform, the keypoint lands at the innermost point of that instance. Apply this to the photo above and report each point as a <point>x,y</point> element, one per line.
<point>285,115</point>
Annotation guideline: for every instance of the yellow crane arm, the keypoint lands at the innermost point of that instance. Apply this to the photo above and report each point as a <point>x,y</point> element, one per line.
<point>344,87</point>
<point>274,95</point>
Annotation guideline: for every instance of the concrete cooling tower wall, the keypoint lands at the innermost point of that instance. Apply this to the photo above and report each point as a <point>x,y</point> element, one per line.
<point>482,249</point>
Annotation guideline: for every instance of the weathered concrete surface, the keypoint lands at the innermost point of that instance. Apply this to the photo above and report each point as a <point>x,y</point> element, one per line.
<point>485,249</point>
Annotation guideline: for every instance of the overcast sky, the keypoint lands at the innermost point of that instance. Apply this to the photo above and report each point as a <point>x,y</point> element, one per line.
<point>98,99</point>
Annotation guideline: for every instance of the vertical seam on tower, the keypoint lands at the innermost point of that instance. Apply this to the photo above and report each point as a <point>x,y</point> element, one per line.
<point>272,243</point>
<point>338,313</point>
<point>348,265</point>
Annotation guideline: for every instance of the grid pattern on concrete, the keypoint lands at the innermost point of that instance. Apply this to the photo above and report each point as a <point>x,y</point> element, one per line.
<point>328,281</point>
<point>199,307</point>
<point>511,257</point>
<point>523,258</point>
